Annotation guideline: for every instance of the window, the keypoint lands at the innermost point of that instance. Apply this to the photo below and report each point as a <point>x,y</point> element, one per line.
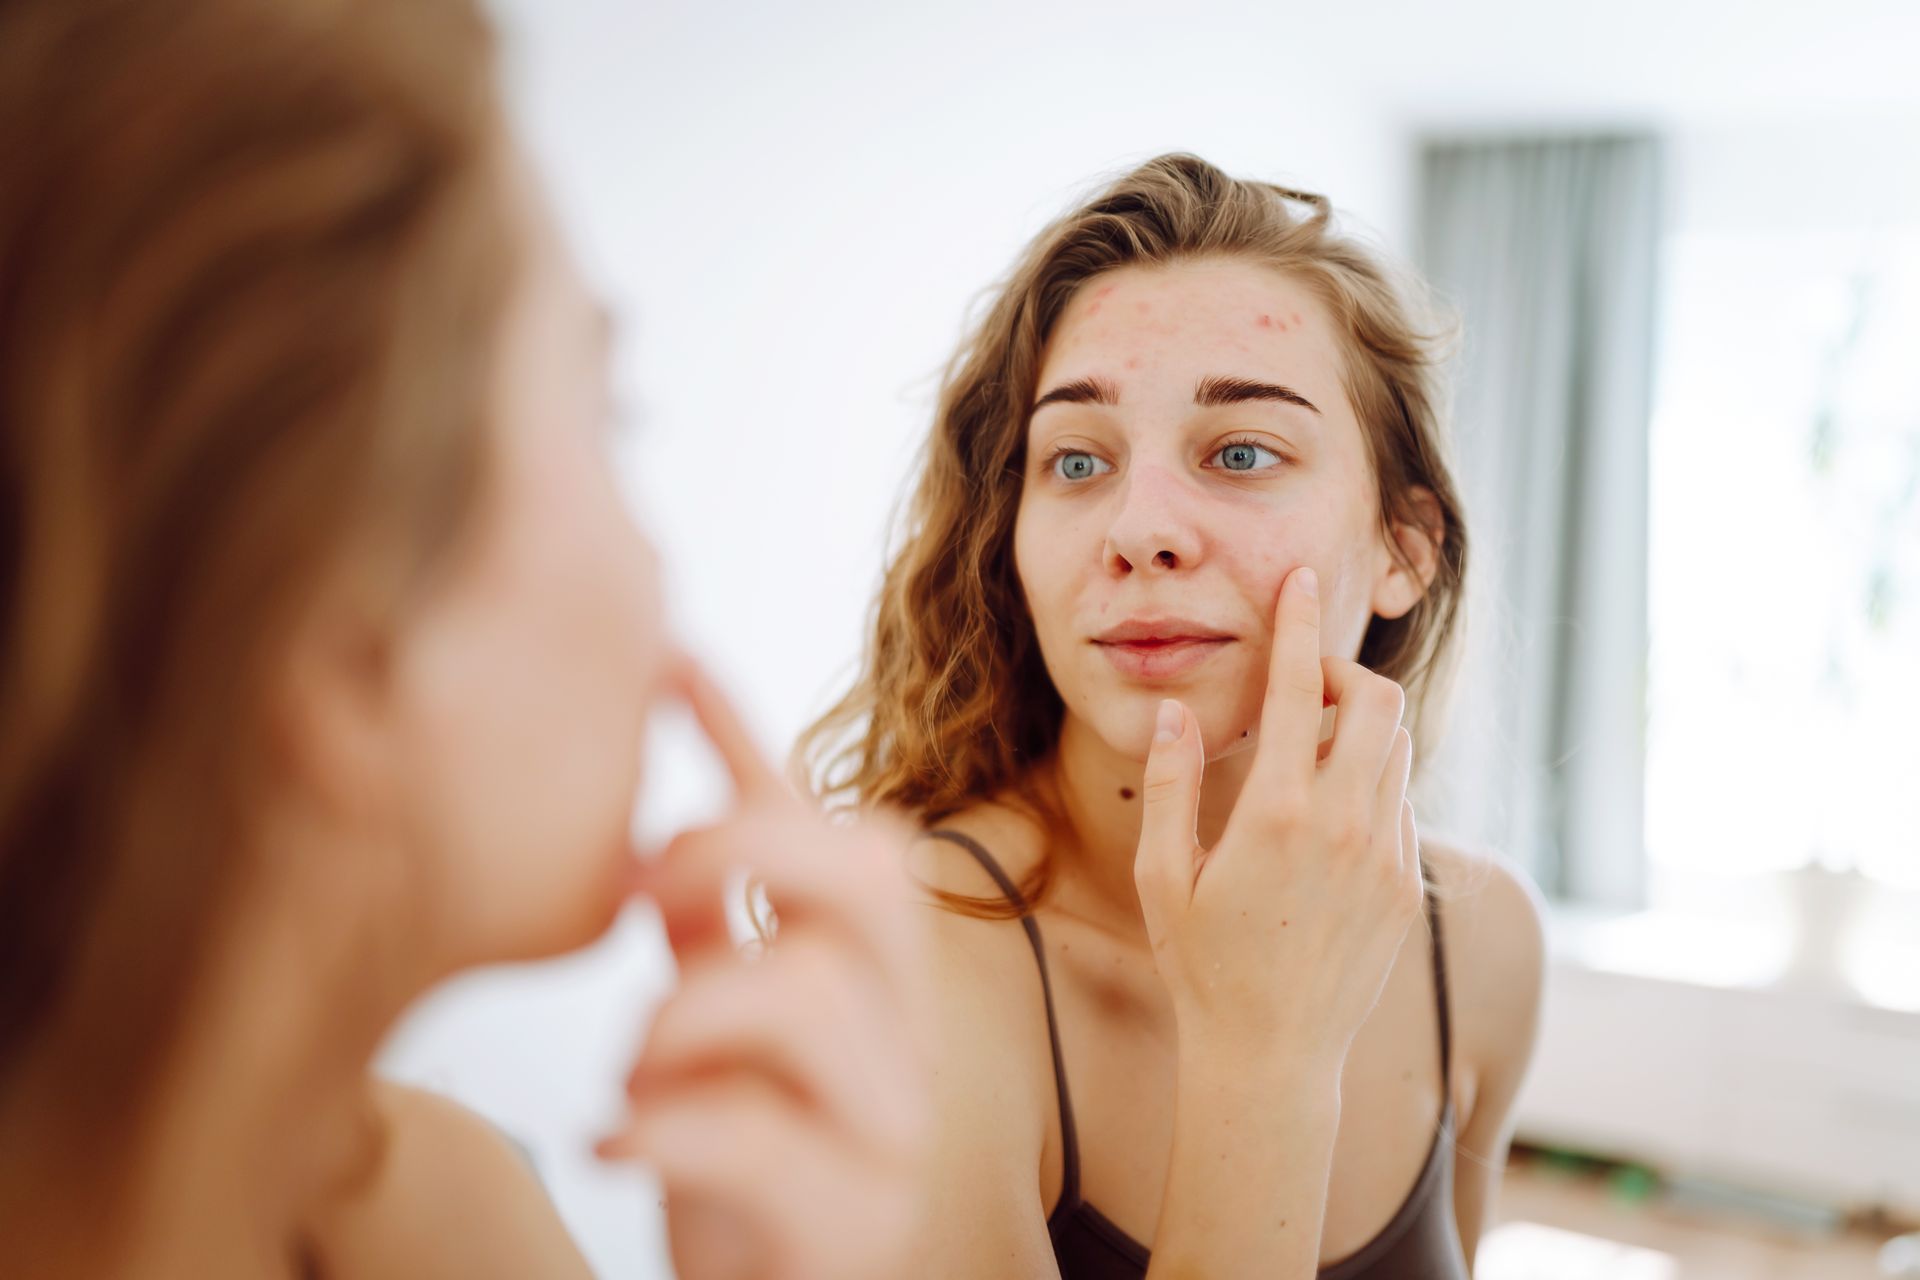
<point>1784,609</point>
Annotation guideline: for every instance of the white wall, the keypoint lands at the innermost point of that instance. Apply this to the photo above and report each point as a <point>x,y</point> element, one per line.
<point>792,207</point>
<point>795,210</point>
<point>791,210</point>
<point>1826,172</point>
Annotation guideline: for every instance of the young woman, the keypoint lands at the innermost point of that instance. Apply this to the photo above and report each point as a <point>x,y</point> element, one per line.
<point>1186,483</point>
<point>325,651</point>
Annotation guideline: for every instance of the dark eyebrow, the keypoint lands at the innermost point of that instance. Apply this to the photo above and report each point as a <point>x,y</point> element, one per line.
<point>1081,391</point>
<point>1208,392</point>
<point>1213,392</point>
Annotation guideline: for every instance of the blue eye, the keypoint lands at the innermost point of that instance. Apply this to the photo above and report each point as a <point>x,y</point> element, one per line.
<point>1245,455</point>
<point>1070,465</point>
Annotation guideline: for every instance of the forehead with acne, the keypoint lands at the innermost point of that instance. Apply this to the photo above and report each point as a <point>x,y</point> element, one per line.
<point>1219,316</point>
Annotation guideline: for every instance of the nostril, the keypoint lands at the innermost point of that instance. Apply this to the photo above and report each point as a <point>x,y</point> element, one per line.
<point>1165,558</point>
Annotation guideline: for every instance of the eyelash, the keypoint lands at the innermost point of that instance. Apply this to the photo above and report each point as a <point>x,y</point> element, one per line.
<point>1051,466</point>
<point>1252,444</point>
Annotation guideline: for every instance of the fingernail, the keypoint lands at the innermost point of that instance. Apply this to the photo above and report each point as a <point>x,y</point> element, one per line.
<point>1169,727</point>
<point>1310,583</point>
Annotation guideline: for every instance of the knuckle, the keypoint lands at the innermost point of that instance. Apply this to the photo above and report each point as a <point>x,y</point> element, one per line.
<point>1412,893</point>
<point>1348,832</point>
<point>1287,808</point>
<point>1304,680</point>
<point>1387,868</point>
<point>1390,692</point>
<point>1160,786</point>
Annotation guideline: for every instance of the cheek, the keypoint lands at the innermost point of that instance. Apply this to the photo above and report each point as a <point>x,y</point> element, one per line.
<point>1035,570</point>
<point>596,575</point>
<point>1257,555</point>
<point>540,695</point>
<point>1059,542</point>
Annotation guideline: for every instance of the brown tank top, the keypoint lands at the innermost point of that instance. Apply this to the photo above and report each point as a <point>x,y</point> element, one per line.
<point>1420,1241</point>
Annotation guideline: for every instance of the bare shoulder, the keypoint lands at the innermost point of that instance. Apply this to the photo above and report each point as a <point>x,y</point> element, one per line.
<point>987,993</point>
<point>992,1069</point>
<point>452,1197</point>
<point>1493,925</point>
<point>1010,838</point>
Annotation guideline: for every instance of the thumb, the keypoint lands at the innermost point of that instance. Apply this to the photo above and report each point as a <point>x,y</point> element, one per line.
<point>1170,801</point>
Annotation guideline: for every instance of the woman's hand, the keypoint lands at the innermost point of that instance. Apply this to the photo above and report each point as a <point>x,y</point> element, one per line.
<point>1281,935</point>
<point>781,1096</point>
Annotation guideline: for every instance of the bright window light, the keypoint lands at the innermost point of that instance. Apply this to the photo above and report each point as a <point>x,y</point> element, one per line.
<point>1784,609</point>
<point>1530,1251</point>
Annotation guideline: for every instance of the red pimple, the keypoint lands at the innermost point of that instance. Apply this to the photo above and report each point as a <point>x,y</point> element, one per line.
<point>1296,318</point>
<point>1265,322</point>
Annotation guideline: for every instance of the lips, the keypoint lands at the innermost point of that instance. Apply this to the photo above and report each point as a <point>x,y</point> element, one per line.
<point>1160,648</point>
<point>1160,631</point>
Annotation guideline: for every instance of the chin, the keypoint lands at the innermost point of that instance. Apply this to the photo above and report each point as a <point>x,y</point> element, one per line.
<point>1129,714</point>
<point>578,908</point>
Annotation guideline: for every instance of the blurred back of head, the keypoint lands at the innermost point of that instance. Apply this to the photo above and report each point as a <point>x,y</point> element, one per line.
<point>252,255</point>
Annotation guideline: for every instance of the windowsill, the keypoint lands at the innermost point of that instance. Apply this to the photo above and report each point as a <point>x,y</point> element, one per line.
<point>1875,969</point>
<point>1690,1040</point>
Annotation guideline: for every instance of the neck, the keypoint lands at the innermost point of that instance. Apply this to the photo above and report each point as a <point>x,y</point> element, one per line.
<point>260,1112</point>
<point>1099,793</point>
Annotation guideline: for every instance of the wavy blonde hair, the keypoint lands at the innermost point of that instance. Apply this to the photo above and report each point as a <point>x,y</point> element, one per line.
<point>953,704</point>
<point>253,259</point>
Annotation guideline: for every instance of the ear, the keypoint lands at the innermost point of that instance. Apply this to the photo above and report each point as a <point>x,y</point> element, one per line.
<point>332,727</point>
<point>1399,585</point>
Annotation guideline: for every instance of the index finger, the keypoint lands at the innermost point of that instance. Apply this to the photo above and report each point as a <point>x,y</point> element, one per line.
<point>1290,712</point>
<point>753,777</point>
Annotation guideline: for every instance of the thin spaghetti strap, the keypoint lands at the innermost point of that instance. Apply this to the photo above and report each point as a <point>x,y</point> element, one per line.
<point>1441,1001</point>
<point>1069,1139</point>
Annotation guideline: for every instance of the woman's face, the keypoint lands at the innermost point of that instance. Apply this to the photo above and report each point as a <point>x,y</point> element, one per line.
<point>523,684</point>
<point>1191,445</point>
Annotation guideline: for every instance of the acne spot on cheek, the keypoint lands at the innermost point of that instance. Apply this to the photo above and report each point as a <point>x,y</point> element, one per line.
<point>1133,362</point>
<point>1296,318</point>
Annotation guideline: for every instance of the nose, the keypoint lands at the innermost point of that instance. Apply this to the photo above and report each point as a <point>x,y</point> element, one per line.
<point>1152,528</point>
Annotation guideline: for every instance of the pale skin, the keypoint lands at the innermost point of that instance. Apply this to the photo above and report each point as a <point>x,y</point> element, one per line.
<point>458,791</point>
<point>1282,994</point>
